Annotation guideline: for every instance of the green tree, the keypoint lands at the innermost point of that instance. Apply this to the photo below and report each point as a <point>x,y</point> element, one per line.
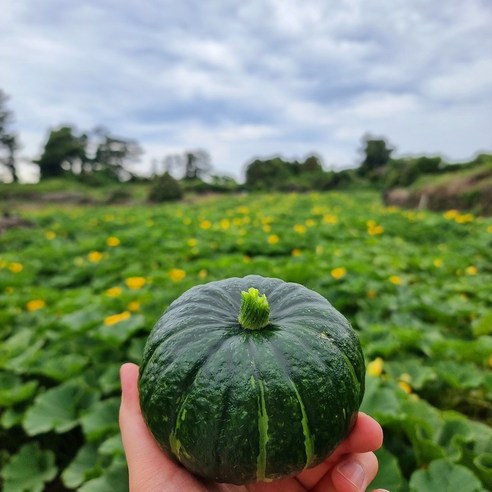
<point>376,155</point>
<point>312,164</point>
<point>164,189</point>
<point>8,141</point>
<point>197,164</point>
<point>113,155</point>
<point>64,152</point>
<point>268,174</point>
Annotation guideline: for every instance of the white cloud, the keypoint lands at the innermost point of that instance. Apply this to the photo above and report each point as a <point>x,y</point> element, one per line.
<point>266,77</point>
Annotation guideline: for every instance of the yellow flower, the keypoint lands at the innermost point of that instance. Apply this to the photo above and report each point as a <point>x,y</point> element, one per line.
<point>243,210</point>
<point>300,229</point>
<point>246,259</point>
<point>371,294</point>
<point>116,318</point>
<point>296,252</point>
<point>310,223</point>
<point>35,304</point>
<point>338,273</point>
<point>451,214</point>
<point>50,235</point>
<point>113,241</point>
<point>95,256</point>
<point>273,239</point>
<point>405,387</point>
<point>437,263</point>
<point>330,219</point>
<point>489,229</point>
<point>225,224</point>
<point>395,280</point>
<point>375,367</point>
<point>205,224</point>
<point>471,270</point>
<point>267,228</point>
<point>177,274</point>
<point>134,306</point>
<point>464,219</point>
<point>16,267</point>
<point>113,292</point>
<point>202,274</point>
<point>375,230</point>
<point>490,361</point>
<point>192,242</point>
<point>135,283</point>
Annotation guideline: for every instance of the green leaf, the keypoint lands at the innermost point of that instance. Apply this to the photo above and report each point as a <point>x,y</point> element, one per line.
<point>460,375</point>
<point>13,390</point>
<point>453,434</point>
<point>58,409</point>
<point>483,326</point>
<point>483,463</point>
<point>81,467</point>
<point>82,320</point>
<point>445,476</point>
<point>19,351</point>
<point>101,419</point>
<point>116,478</point>
<point>389,475</point>
<point>109,380</point>
<point>11,417</point>
<point>112,446</point>
<point>29,469</point>
<point>380,401</point>
<point>417,373</point>
<point>60,367</point>
<point>118,333</point>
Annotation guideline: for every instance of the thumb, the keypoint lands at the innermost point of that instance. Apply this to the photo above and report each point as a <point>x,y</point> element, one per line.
<point>138,442</point>
<point>149,469</point>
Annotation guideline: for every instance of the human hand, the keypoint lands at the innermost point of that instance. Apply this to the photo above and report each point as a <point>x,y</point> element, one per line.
<point>350,468</point>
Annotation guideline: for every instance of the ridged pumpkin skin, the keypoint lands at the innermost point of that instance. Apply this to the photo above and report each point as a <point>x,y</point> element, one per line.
<point>237,405</point>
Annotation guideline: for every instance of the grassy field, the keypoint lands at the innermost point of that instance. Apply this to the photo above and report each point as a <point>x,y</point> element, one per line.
<point>82,287</point>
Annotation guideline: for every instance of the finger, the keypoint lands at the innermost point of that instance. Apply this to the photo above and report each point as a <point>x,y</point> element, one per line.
<point>366,435</point>
<point>138,442</point>
<point>352,474</point>
<point>148,467</point>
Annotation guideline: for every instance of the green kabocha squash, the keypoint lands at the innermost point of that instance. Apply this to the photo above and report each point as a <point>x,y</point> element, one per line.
<point>251,379</point>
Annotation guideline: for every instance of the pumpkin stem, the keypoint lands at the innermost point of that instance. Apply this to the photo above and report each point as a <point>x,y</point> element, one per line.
<point>254,312</point>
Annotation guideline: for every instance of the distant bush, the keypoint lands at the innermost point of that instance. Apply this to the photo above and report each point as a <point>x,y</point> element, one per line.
<point>165,189</point>
<point>215,184</point>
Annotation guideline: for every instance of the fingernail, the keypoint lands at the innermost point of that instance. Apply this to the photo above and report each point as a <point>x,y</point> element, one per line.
<point>353,472</point>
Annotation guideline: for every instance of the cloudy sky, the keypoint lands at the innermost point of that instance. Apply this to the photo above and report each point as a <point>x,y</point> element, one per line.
<point>246,79</point>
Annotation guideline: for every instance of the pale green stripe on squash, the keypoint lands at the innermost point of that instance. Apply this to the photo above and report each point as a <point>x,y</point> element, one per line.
<point>308,437</point>
<point>263,435</point>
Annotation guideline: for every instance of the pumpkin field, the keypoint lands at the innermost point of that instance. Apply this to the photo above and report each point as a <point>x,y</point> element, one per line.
<point>81,288</point>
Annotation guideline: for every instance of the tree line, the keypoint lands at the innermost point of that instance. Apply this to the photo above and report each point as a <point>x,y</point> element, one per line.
<point>97,157</point>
